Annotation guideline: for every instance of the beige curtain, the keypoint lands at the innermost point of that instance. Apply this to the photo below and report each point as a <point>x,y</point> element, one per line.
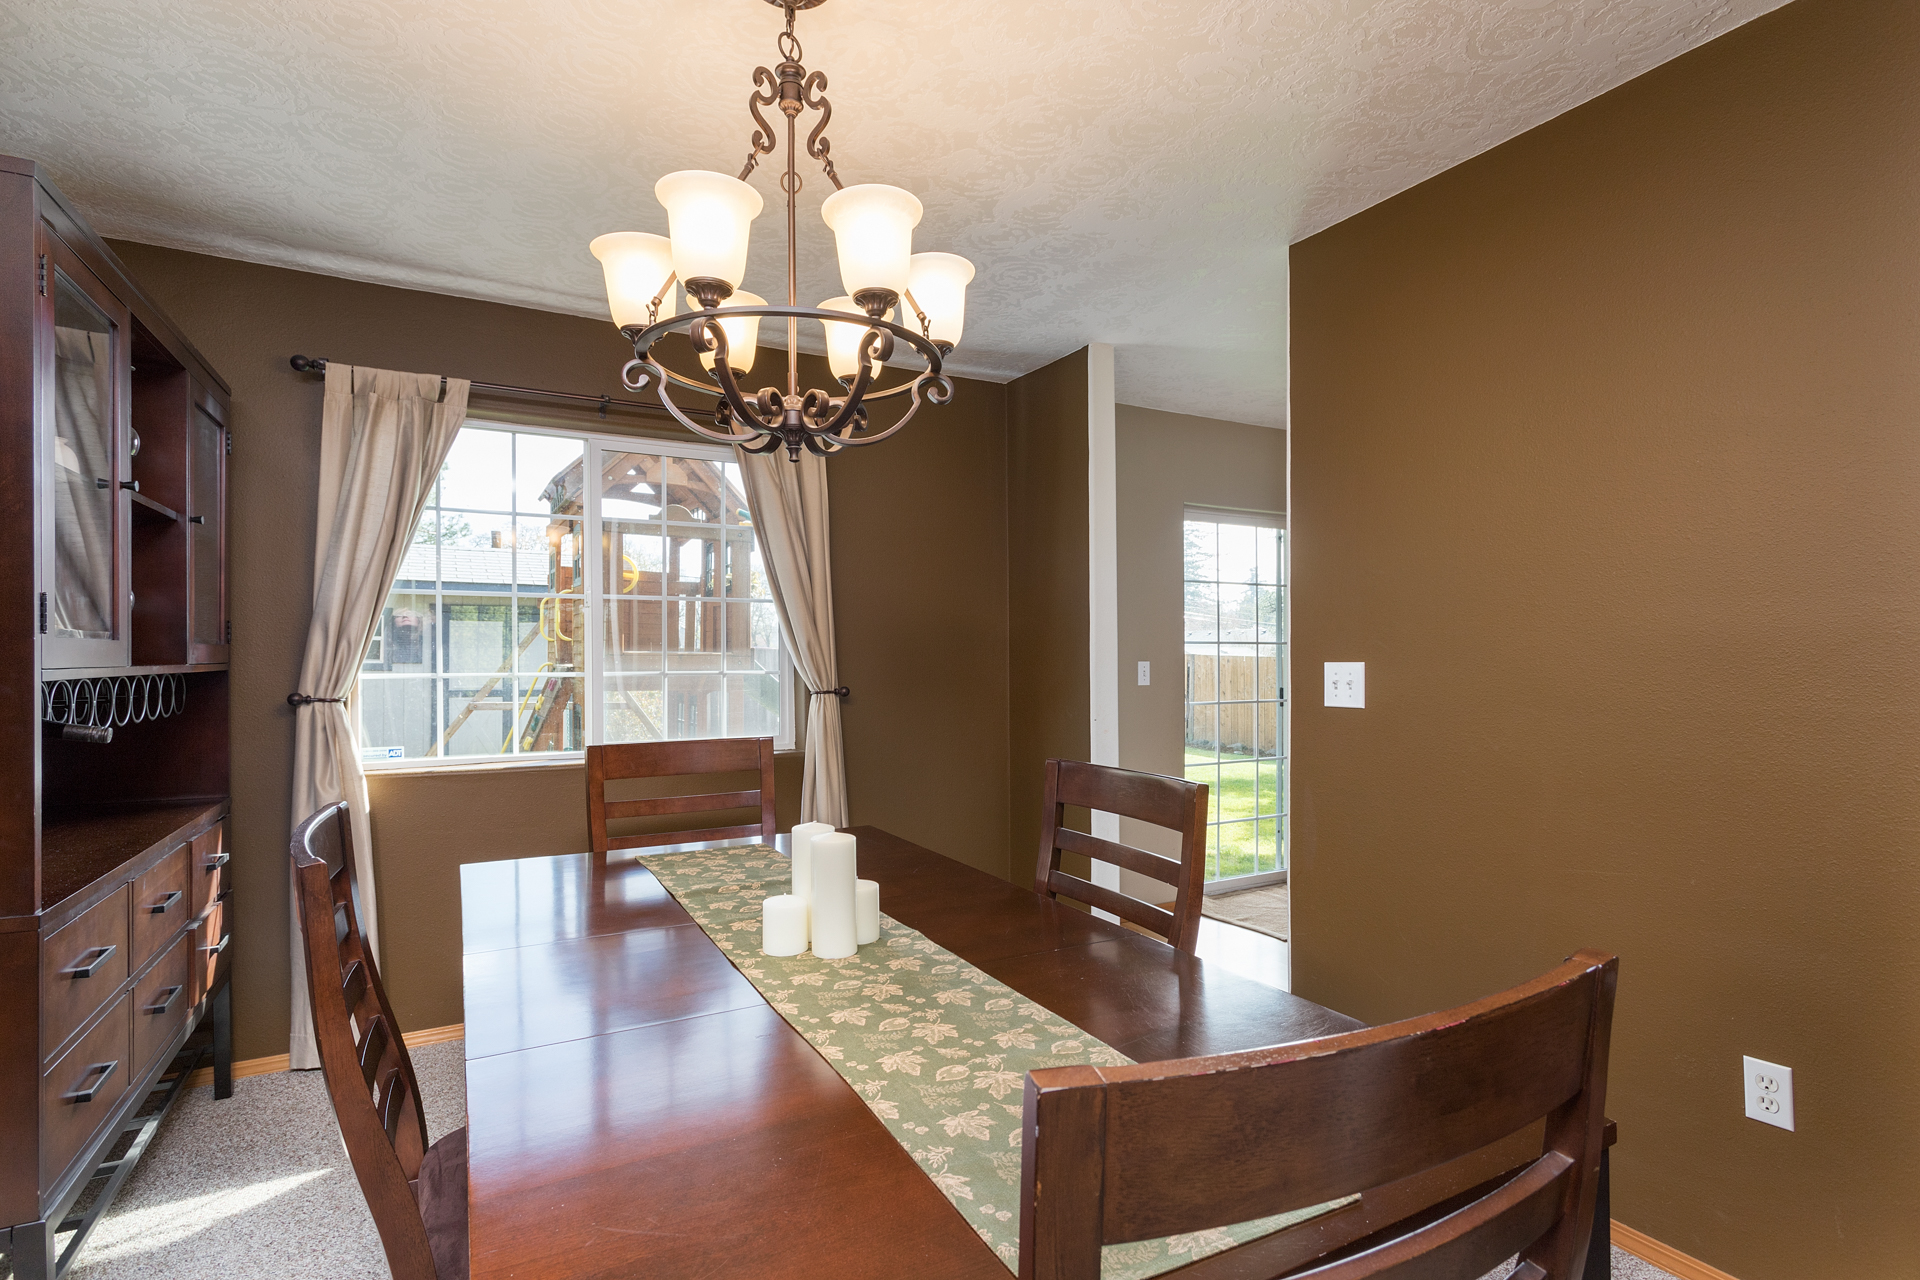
<point>789,504</point>
<point>383,438</point>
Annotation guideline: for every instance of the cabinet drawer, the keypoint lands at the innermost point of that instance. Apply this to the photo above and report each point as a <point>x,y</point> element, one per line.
<point>211,938</point>
<point>162,905</point>
<point>80,967</point>
<point>162,1001</point>
<point>209,866</point>
<point>79,1092</point>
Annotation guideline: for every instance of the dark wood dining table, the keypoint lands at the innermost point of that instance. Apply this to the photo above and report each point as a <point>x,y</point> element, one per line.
<point>636,1108</point>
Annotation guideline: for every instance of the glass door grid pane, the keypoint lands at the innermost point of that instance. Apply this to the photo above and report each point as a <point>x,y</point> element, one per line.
<point>1235,699</point>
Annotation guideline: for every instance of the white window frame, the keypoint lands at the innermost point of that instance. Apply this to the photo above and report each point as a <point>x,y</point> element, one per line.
<point>594,444</point>
<point>1283,658</point>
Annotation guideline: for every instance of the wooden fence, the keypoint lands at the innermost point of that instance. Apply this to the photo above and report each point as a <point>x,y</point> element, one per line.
<point>1241,724</point>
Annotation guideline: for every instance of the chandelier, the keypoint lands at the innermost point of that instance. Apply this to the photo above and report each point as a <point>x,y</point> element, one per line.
<point>708,218</point>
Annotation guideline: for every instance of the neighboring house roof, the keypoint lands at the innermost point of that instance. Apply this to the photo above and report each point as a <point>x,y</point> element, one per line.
<point>484,568</point>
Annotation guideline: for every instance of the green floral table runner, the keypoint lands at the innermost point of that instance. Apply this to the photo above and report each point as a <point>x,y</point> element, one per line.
<point>939,1050</point>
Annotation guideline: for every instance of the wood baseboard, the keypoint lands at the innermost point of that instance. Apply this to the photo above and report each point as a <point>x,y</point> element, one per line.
<point>283,1062</point>
<point>1666,1257</point>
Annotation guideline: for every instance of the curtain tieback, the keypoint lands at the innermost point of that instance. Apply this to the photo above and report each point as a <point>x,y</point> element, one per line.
<point>841,692</point>
<point>307,699</point>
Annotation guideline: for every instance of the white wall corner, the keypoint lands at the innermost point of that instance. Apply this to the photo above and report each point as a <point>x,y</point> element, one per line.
<point>1103,585</point>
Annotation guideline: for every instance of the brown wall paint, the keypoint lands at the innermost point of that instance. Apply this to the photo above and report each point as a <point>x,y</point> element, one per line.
<point>920,611</point>
<point>248,319</point>
<point>1165,462</point>
<point>1049,707</point>
<point>1607,450</point>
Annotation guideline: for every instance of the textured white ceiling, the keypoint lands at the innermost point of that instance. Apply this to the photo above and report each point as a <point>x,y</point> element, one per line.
<point>1126,171</point>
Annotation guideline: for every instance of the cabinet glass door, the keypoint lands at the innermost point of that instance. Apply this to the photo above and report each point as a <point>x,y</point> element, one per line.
<point>86,613</point>
<point>206,527</point>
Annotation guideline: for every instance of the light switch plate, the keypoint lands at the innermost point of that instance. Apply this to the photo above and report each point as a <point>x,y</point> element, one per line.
<point>1769,1089</point>
<point>1146,673</point>
<point>1346,684</point>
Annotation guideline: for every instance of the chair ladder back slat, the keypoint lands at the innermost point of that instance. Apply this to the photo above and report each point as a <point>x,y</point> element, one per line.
<point>1158,866</point>
<point>1172,803</point>
<point>369,1075</point>
<point>1470,1241</point>
<point>373,1052</point>
<point>1144,914</point>
<point>661,806</point>
<point>608,762</point>
<point>353,989</point>
<point>680,837</point>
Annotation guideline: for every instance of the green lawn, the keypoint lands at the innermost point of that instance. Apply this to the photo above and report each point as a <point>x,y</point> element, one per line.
<point>1246,800</point>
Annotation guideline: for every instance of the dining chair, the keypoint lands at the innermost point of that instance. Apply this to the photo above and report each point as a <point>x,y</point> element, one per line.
<point>417,1193</point>
<point>614,761</point>
<point>1147,797</point>
<point>1435,1124</point>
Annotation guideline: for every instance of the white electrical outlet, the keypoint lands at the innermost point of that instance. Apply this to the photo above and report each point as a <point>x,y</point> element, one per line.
<point>1346,684</point>
<point>1769,1088</point>
<point>1146,673</point>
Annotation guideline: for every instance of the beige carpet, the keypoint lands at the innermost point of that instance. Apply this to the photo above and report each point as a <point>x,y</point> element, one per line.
<point>258,1188</point>
<point>1264,910</point>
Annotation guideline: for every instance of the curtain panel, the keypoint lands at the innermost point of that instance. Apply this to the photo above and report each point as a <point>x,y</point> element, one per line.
<point>789,505</point>
<point>383,439</point>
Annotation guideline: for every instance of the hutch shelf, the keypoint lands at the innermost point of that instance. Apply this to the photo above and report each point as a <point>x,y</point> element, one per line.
<point>116,910</point>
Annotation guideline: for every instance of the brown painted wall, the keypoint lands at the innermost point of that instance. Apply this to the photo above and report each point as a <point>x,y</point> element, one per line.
<point>1048,697</point>
<point>1165,461</point>
<point>249,319</point>
<point>1607,450</point>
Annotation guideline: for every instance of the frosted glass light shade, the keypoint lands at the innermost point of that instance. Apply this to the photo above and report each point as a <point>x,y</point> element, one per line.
<point>708,216</point>
<point>743,334</point>
<point>938,282</point>
<point>873,226</point>
<point>637,264</point>
<point>843,340</point>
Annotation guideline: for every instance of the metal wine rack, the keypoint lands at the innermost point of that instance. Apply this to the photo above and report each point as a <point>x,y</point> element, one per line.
<point>90,710</point>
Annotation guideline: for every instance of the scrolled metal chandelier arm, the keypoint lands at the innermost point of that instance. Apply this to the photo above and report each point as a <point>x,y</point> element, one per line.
<point>818,421</point>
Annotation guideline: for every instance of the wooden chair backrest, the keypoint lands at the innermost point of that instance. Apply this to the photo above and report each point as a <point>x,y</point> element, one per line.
<point>1405,1115</point>
<point>1147,797</point>
<point>369,1075</point>
<point>678,759</point>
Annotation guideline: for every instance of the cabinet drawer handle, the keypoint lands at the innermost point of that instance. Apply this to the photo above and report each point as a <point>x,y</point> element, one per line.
<point>165,904</point>
<point>219,946</point>
<point>196,519</point>
<point>106,1069</point>
<point>173,993</point>
<point>99,958</point>
<point>132,486</point>
<point>217,861</point>
<point>101,482</point>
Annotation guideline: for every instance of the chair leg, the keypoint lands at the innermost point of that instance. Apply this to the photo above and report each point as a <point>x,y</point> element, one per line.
<point>1600,1244</point>
<point>221,1014</point>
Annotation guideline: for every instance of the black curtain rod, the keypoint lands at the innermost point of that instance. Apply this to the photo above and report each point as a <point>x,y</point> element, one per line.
<point>318,364</point>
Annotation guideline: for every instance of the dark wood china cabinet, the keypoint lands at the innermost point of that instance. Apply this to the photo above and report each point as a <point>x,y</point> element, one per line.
<point>115,910</point>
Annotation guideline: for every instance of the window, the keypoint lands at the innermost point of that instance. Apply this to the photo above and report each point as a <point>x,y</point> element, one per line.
<point>1235,661</point>
<point>506,635</point>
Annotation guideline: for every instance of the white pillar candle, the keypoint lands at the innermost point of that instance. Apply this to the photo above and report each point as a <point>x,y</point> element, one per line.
<point>803,857</point>
<point>866,911</point>
<point>783,925</point>
<point>834,937</point>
